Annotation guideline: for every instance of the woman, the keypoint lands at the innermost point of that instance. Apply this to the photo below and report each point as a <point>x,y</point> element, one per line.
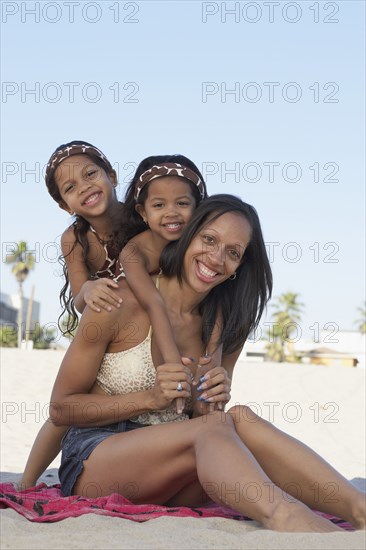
<point>128,438</point>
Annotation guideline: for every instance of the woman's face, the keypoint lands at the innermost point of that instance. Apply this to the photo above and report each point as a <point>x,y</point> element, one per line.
<point>216,251</point>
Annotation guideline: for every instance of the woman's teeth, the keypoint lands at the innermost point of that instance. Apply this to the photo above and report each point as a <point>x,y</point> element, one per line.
<point>205,271</point>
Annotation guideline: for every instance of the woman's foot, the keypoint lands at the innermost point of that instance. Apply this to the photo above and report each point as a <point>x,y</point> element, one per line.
<point>296,517</point>
<point>358,511</point>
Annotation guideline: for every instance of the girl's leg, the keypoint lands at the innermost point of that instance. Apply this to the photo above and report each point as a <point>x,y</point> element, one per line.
<point>299,470</point>
<point>46,447</point>
<point>157,463</point>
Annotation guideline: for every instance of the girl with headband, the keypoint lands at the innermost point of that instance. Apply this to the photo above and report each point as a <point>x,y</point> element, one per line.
<point>82,181</point>
<point>80,178</point>
<point>158,205</point>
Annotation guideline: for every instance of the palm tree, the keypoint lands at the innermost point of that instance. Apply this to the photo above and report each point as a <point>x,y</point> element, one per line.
<point>361,322</point>
<point>286,316</point>
<point>22,261</point>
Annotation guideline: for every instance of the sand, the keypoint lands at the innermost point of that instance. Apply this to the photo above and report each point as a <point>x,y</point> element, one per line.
<point>322,406</point>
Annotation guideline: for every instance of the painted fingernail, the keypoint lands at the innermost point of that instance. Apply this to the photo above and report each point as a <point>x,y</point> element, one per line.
<point>206,356</point>
<point>204,396</point>
<point>208,400</point>
<point>202,378</point>
<point>200,388</point>
<point>199,398</point>
<point>192,359</point>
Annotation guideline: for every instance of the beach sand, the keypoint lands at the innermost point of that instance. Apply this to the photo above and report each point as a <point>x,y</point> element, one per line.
<point>322,406</point>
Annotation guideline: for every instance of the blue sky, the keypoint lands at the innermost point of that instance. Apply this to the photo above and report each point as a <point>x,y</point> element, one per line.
<point>268,101</point>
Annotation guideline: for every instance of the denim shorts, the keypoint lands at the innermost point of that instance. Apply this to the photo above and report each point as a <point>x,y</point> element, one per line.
<point>78,444</point>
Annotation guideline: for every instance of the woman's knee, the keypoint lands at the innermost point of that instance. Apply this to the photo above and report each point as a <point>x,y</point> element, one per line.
<point>243,413</point>
<point>216,420</point>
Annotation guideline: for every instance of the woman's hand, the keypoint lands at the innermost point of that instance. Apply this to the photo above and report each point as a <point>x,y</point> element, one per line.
<point>214,388</point>
<point>170,377</point>
<point>98,294</point>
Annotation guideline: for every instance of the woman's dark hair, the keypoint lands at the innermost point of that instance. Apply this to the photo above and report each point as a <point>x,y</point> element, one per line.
<point>239,302</point>
<point>80,228</point>
<point>130,223</point>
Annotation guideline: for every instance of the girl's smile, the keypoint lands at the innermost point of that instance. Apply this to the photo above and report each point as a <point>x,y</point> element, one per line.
<point>168,207</point>
<point>85,188</point>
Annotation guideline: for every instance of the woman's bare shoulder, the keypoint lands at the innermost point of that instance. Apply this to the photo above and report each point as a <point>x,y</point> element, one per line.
<point>129,300</point>
<point>127,321</point>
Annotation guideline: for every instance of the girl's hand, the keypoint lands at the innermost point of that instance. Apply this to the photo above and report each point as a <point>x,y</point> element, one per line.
<point>168,378</point>
<point>98,294</point>
<point>214,388</point>
<point>203,366</point>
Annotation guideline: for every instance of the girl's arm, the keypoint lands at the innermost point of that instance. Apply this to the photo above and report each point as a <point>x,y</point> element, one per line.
<point>71,404</point>
<point>143,287</point>
<point>76,268</point>
<point>96,294</point>
<point>212,358</point>
<point>44,450</point>
<point>135,268</point>
<point>214,347</point>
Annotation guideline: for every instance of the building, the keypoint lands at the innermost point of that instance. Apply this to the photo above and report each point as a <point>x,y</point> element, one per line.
<point>346,348</point>
<point>9,307</point>
<point>330,357</point>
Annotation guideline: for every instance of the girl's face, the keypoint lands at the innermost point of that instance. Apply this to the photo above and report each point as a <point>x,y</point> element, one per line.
<point>85,188</point>
<point>168,207</point>
<point>216,251</point>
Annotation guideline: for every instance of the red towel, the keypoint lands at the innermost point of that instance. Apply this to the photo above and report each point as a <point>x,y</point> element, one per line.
<point>45,504</point>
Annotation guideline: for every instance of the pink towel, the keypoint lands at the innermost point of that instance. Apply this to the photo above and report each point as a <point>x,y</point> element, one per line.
<point>45,504</point>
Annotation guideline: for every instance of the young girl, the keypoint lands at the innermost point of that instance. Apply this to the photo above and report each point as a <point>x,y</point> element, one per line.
<point>82,181</point>
<point>80,178</point>
<point>76,183</point>
<point>158,205</point>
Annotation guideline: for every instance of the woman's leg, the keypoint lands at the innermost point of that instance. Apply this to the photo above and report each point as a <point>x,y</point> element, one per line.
<point>157,463</point>
<point>298,470</point>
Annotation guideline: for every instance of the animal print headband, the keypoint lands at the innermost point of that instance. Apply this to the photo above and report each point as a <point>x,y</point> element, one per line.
<point>70,150</point>
<point>169,169</point>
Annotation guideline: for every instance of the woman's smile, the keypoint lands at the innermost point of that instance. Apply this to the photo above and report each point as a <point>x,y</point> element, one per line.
<point>204,273</point>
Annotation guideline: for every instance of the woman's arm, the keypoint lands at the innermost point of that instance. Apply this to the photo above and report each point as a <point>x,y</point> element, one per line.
<point>71,404</point>
<point>214,385</point>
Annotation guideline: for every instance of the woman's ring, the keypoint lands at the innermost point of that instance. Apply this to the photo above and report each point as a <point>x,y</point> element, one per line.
<point>180,387</point>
